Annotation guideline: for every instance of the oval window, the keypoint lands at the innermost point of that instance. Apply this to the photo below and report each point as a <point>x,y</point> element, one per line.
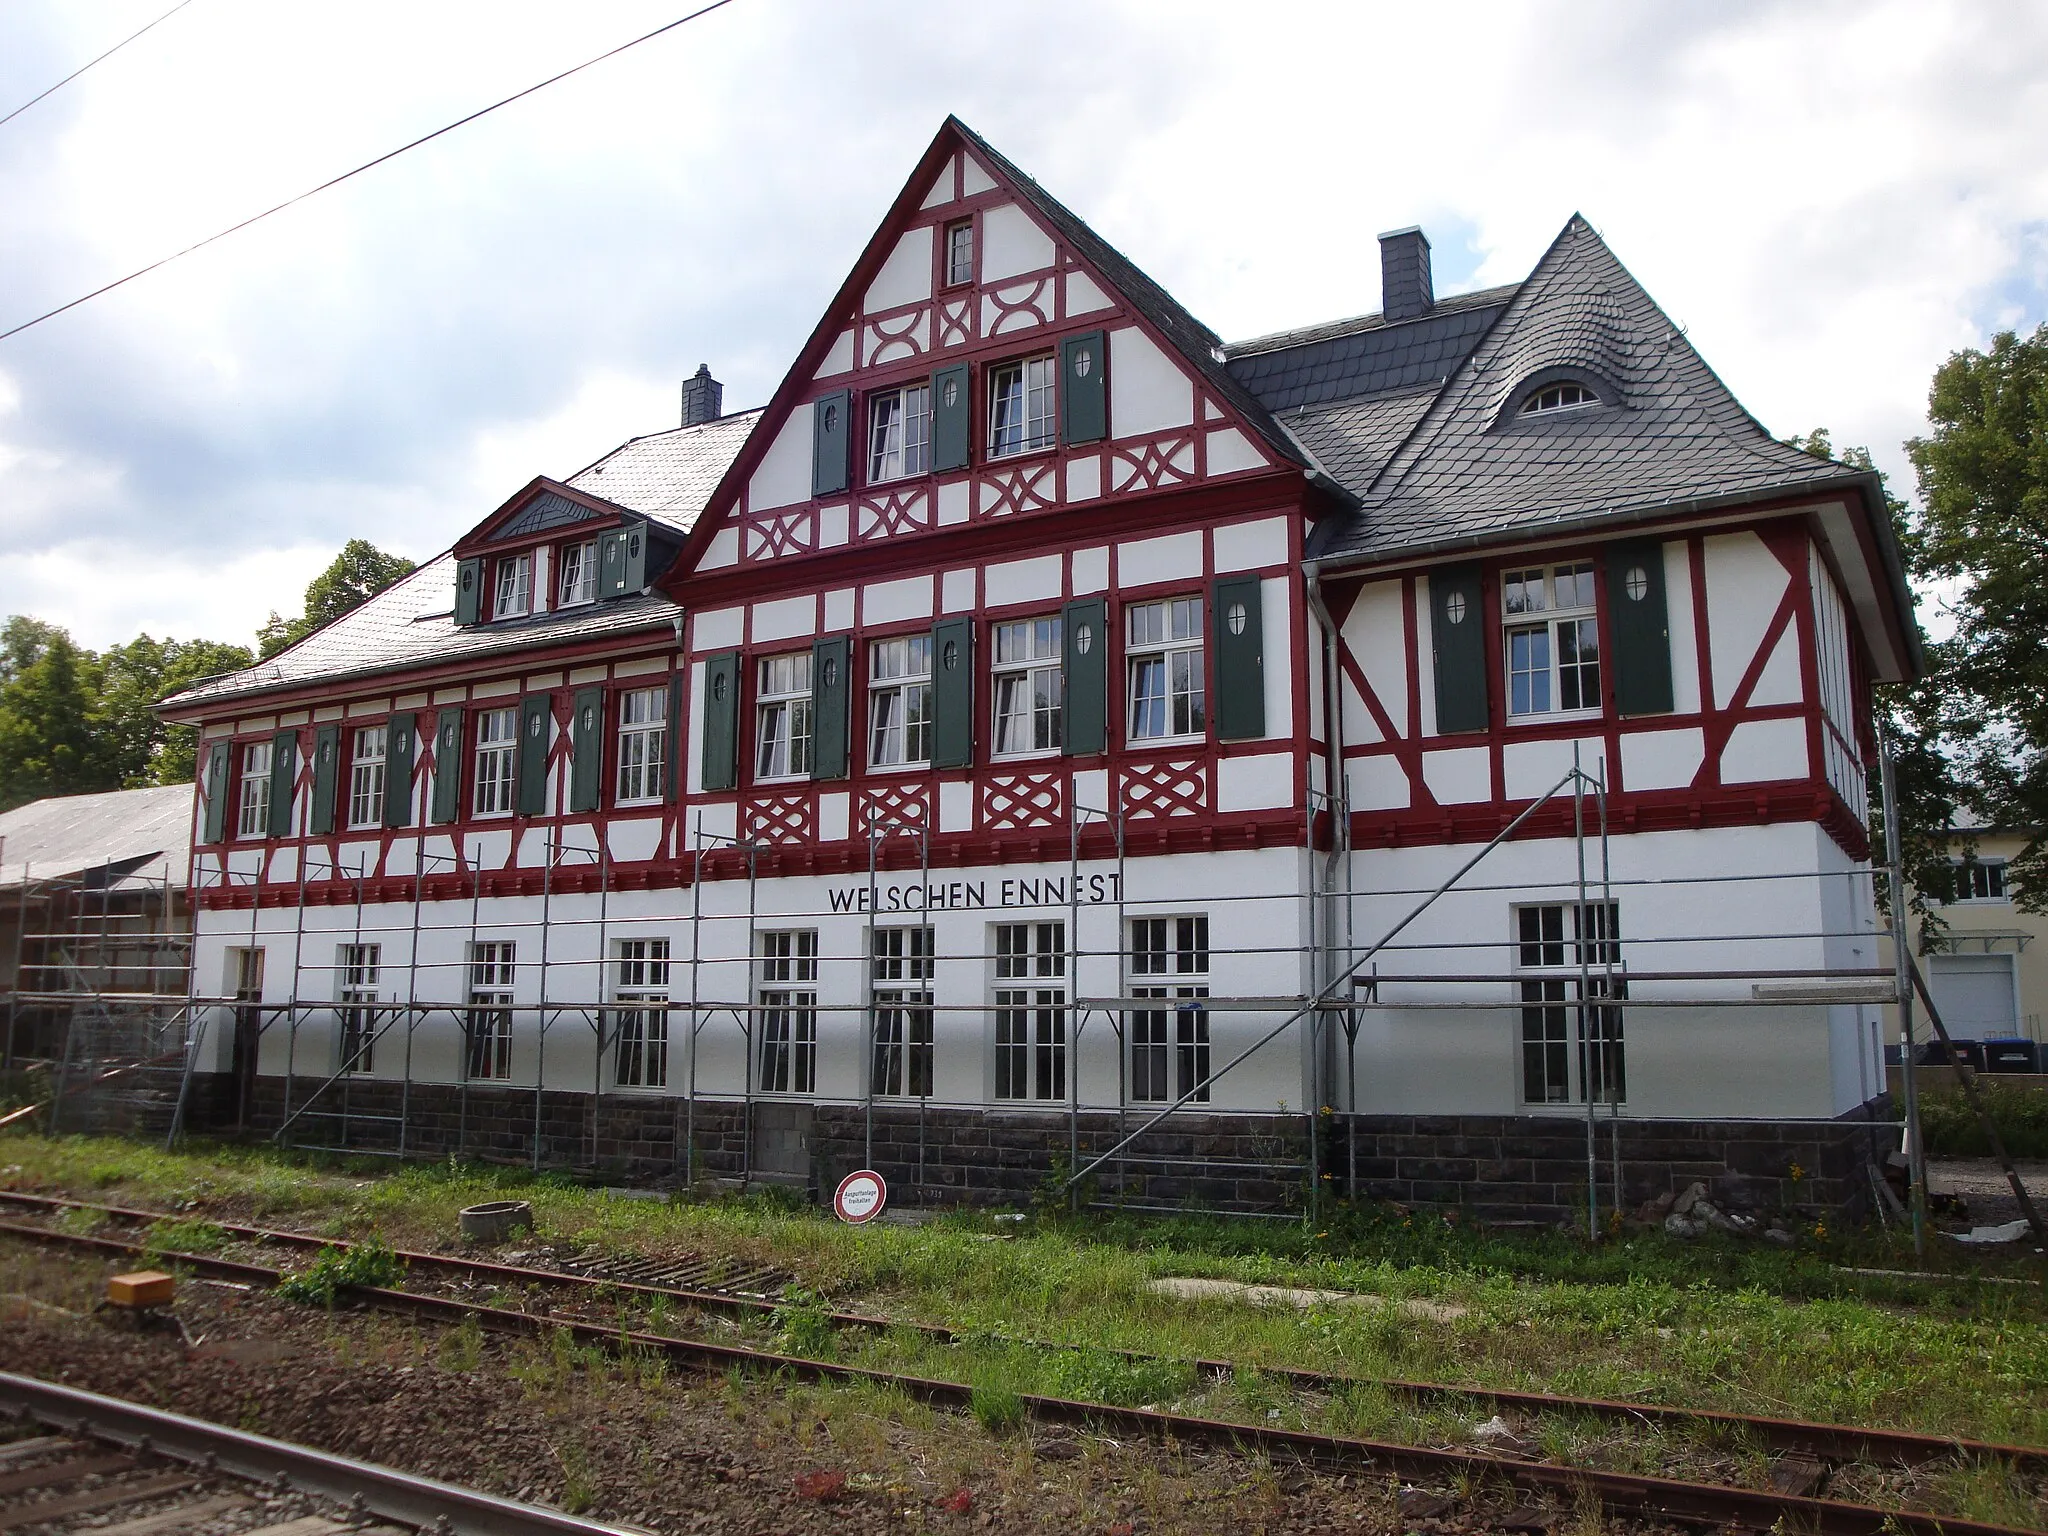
<point>718,687</point>
<point>1084,362</point>
<point>1636,583</point>
<point>831,670</point>
<point>589,718</point>
<point>468,578</point>
<point>1234,616</point>
<point>633,547</point>
<point>951,655</point>
<point>533,727</point>
<point>1084,639</point>
<point>1454,608</point>
<point>951,394</point>
<point>831,418</point>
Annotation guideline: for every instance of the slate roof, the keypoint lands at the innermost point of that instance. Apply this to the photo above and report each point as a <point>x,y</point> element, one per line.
<point>1365,355</point>
<point>669,476</point>
<point>123,832</point>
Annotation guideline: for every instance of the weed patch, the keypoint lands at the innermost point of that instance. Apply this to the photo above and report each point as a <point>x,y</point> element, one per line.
<point>336,1269</point>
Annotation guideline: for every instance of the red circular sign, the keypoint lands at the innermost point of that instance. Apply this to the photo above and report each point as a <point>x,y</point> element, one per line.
<point>861,1196</point>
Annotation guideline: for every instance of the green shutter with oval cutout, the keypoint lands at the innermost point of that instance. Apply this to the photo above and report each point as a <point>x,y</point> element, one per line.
<point>326,779</point>
<point>672,737</point>
<point>536,727</point>
<point>1639,627</point>
<point>284,779</point>
<point>398,745</point>
<point>831,433</point>
<point>586,750</point>
<point>952,417</point>
<point>447,803</point>
<point>219,763</point>
<point>953,693</point>
<point>622,561</point>
<point>721,757</point>
<point>1458,639</point>
<point>1240,660</point>
<point>1084,689</point>
<point>1084,388</point>
<point>469,591</point>
<point>831,666</point>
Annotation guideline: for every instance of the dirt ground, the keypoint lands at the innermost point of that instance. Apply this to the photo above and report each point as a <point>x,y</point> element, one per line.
<point>1982,1184</point>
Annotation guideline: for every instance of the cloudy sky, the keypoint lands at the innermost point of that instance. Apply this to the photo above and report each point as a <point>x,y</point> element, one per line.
<point>1830,198</point>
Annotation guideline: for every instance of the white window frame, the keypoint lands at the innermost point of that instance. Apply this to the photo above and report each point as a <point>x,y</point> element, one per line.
<point>1028,682</point>
<point>579,574</point>
<point>487,1046</point>
<point>783,718</point>
<point>786,990</point>
<point>252,801</point>
<point>1030,1012</point>
<point>1560,395</point>
<point>1170,1048</point>
<point>491,778</point>
<point>1540,620</point>
<point>1545,940</point>
<point>366,763</point>
<point>900,702</point>
<point>514,587</point>
<point>899,433</point>
<point>959,253</point>
<point>1023,406</point>
<point>901,967</point>
<point>1165,633</point>
<point>639,1014</point>
<point>356,971</point>
<point>643,745</point>
<point>1990,873</point>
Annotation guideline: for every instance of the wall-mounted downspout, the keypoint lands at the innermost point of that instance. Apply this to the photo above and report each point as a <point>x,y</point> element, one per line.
<point>1336,793</point>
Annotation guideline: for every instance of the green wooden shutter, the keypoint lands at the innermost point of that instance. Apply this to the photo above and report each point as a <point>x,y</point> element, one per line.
<point>831,432</point>
<point>1084,690</point>
<point>1458,638</point>
<point>831,664</point>
<point>636,557</point>
<point>672,740</point>
<point>721,764</point>
<point>469,591</point>
<point>536,722</point>
<point>220,760</point>
<point>447,766</point>
<point>284,779</point>
<point>953,693</point>
<point>1640,628</point>
<point>1240,659</point>
<point>326,778</point>
<point>1084,388</point>
<point>611,563</point>
<point>586,750</point>
<point>398,744</point>
<point>952,417</point>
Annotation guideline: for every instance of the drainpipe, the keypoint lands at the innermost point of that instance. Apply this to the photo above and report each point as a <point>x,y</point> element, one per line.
<point>1334,789</point>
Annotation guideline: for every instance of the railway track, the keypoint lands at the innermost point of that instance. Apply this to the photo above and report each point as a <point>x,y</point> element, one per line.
<point>1702,1504</point>
<point>116,1468</point>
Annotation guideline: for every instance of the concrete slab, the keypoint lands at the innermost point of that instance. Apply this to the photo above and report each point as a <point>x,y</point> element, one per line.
<point>1190,1288</point>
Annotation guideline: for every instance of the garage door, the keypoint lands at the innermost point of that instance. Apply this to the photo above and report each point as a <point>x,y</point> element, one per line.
<point>1975,994</point>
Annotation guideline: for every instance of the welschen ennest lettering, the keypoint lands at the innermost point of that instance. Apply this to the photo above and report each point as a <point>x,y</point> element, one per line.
<point>975,895</point>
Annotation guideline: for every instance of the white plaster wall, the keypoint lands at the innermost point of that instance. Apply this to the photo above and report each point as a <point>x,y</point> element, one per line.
<point>1744,584</point>
<point>1148,391</point>
<point>1685,644</point>
<point>890,602</point>
<point>1247,546</point>
<point>1760,751</point>
<point>906,276</point>
<point>783,477</point>
<point>1022,581</point>
<point>1174,557</point>
<point>1011,243</point>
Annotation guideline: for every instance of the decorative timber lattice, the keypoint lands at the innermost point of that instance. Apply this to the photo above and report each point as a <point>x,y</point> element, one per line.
<point>1166,789</point>
<point>908,805</point>
<point>780,819</point>
<point>1014,801</point>
<point>775,534</point>
<point>1148,466</point>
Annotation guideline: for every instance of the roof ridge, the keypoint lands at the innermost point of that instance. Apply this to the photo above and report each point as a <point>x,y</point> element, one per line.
<point>1372,320</point>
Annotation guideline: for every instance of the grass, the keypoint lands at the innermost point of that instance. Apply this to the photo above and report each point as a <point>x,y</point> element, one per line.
<point>2018,1110</point>
<point>334,1270</point>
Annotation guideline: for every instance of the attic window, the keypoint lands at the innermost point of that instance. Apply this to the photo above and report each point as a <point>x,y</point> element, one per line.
<point>1557,397</point>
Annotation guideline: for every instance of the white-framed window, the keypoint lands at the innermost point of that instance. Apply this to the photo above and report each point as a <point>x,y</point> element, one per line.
<point>1557,397</point>
<point>643,743</point>
<point>1564,1041</point>
<point>902,975</point>
<point>356,969</point>
<point>497,732</point>
<point>490,1009</point>
<point>1028,680</point>
<point>1023,414</point>
<point>900,702</point>
<point>1553,640</point>
<point>639,1015</point>
<point>959,252</point>
<point>515,587</point>
<point>252,817</point>
<point>1163,653</point>
<point>788,997</point>
<point>1170,1048</point>
<point>782,707</point>
<point>579,574</point>
<point>1031,1011</point>
<point>899,433</point>
<point>1980,880</point>
<point>366,777</point>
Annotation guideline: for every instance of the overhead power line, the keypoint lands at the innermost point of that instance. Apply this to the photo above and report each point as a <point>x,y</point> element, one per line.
<point>88,64</point>
<point>367,165</point>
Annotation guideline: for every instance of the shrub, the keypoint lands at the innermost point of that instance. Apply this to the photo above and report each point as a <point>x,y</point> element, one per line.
<point>2019,1110</point>
<point>336,1269</point>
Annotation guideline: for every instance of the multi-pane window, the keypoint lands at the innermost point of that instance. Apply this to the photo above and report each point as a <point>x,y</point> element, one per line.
<point>1027,686</point>
<point>356,967</point>
<point>515,587</point>
<point>496,731</point>
<point>788,996</point>
<point>640,1012</point>
<point>253,802</point>
<point>900,433</point>
<point>1553,639</point>
<point>643,743</point>
<point>1170,1049</point>
<point>1558,397</point>
<point>1981,880</point>
<point>1021,409</point>
<point>782,741</point>
<point>579,574</point>
<point>960,253</point>
<point>1163,648</point>
<point>1560,938</point>
<point>902,973</point>
<point>366,777</point>
<point>1031,1011</point>
<point>490,1009</point>
<point>900,702</point>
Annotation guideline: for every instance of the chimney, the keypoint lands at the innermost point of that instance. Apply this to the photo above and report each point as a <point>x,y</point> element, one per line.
<point>704,396</point>
<point>1405,288</point>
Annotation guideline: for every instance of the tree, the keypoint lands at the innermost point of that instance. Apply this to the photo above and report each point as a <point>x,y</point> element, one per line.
<point>132,679</point>
<point>357,574</point>
<point>47,742</point>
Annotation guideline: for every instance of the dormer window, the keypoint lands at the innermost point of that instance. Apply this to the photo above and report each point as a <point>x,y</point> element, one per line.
<point>515,587</point>
<point>1557,397</point>
<point>579,574</point>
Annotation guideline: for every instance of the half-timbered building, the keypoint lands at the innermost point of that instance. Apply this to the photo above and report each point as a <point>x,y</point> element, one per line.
<point>1404,755</point>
